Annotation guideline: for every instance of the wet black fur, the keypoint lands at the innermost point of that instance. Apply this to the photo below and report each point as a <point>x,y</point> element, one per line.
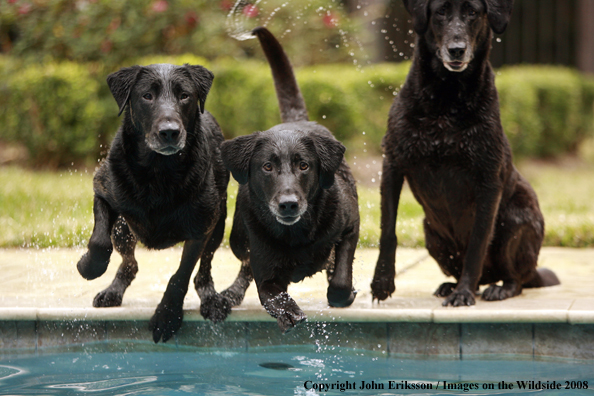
<point>482,219</point>
<point>308,170</point>
<point>161,200</point>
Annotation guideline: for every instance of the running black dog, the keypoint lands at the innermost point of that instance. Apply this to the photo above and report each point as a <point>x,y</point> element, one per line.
<point>483,223</point>
<point>163,182</point>
<point>297,210</point>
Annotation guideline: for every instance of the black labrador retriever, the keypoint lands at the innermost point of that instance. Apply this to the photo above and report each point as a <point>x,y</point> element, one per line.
<point>483,223</point>
<point>163,182</point>
<point>297,210</point>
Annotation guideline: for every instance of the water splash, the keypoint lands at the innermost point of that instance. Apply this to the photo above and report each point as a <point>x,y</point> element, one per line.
<point>238,17</point>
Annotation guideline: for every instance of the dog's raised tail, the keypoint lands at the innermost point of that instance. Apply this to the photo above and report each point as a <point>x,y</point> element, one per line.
<point>290,100</point>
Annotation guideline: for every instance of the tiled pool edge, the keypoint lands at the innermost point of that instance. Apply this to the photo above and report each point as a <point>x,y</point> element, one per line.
<point>574,315</point>
<point>527,341</point>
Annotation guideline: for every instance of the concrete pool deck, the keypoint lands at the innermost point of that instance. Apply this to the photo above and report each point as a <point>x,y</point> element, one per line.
<point>42,292</point>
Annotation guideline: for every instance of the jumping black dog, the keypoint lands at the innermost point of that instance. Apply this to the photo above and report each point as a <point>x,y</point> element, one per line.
<point>163,182</point>
<point>482,219</point>
<point>297,210</point>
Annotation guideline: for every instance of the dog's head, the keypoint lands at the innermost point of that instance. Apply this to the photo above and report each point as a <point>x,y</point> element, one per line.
<point>456,24</point>
<point>163,101</point>
<point>285,167</point>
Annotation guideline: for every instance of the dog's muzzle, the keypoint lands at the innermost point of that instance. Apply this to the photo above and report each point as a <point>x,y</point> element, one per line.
<point>289,210</point>
<point>455,57</point>
<point>169,140</point>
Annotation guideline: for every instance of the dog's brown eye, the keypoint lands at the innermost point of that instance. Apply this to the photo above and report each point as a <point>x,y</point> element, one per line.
<point>267,167</point>
<point>184,96</point>
<point>148,96</point>
<point>304,166</point>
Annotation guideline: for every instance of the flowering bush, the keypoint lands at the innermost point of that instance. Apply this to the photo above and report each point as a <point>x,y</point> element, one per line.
<point>116,32</point>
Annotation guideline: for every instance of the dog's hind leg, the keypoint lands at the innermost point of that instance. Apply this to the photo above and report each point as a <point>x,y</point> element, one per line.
<point>517,242</point>
<point>240,245</point>
<point>125,243</point>
<point>340,282</point>
<point>94,262</point>
<point>213,306</point>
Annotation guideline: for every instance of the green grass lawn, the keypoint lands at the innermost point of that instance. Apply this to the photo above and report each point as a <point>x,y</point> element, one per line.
<point>54,209</point>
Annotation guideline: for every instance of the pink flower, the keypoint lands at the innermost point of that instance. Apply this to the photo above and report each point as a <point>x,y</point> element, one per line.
<point>330,20</point>
<point>250,11</point>
<point>226,5</point>
<point>191,19</point>
<point>25,9</point>
<point>106,46</point>
<point>160,6</point>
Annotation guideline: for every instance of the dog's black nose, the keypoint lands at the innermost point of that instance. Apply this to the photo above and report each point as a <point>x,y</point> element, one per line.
<point>457,51</point>
<point>169,135</point>
<point>288,206</point>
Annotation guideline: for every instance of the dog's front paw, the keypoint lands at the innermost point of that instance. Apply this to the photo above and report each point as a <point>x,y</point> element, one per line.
<point>215,307</point>
<point>290,318</point>
<point>497,293</point>
<point>166,321</point>
<point>108,298</point>
<point>286,311</point>
<point>340,298</point>
<point>93,265</point>
<point>382,288</point>
<point>459,298</point>
<point>445,289</point>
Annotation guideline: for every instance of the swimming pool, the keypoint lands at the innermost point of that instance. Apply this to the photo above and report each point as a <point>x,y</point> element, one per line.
<point>281,371</point>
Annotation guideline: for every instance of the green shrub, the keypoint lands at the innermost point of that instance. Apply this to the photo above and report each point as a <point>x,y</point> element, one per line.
<point>54,111</point>
<point>64,112</point>
<point>546,111</point>
<point>356,110</point>
<point>353,104</point>
<point>242,97</point>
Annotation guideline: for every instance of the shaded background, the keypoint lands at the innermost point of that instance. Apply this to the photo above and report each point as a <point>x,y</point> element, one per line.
<point>57,116</point>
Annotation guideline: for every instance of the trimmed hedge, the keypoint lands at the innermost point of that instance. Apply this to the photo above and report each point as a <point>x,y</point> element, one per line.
<point>546,111</point>
<point>63,112</point>
<point>54,110</point>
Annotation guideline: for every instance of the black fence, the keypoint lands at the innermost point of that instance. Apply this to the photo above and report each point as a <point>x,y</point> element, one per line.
<point>540,31</point>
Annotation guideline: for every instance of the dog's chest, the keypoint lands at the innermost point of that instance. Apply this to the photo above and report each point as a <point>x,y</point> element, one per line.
<point>436,140</point>
<point>308,262</point>
<point>164,227</point>
<point>442,162</point>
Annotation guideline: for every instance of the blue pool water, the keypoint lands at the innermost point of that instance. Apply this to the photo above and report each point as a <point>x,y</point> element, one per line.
<point>290,371</point>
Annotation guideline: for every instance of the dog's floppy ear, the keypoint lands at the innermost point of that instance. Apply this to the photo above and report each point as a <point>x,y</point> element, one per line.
<point>120,84</point>
<point>419,10</point>
<point>202,77</point>
<point>499,13</point>
<point>330,152</point>
<point>237,154</point>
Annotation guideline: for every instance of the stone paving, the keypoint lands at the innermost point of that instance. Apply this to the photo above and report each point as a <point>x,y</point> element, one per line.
<point>45,285</point>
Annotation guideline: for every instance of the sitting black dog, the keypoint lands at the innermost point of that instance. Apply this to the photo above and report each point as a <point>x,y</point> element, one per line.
<point>163,182</point>
<point>482,219</point>
<point>297,210</point>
